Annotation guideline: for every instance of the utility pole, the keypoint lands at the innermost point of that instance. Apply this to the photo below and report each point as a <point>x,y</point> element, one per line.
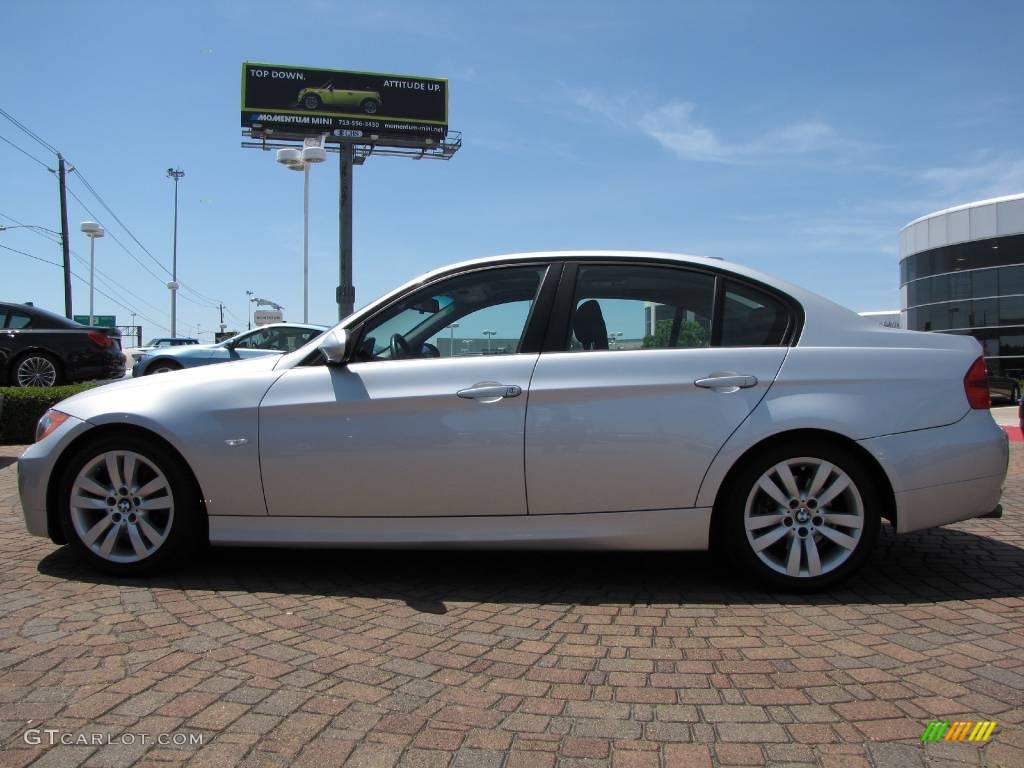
<point>64,242</point>
<point>176,174</point>
<point>221,307</point>
<point>346,293</point>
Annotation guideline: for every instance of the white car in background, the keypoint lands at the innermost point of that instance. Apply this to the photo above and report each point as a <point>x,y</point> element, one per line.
<point>504,403</point>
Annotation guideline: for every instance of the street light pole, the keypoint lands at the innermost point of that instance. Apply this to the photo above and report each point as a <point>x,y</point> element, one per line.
<point>250,294</point>
<point>451,344</point>
<point>489,335</point>
<point>92,230</point>
<point>305,243</point>
<point>176,174</point>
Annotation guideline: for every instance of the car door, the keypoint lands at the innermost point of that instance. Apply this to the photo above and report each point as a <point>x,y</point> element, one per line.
<point>427,417</point>
<point>631,400</point>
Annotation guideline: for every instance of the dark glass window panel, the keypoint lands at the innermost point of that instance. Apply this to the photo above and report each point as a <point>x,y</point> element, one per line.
<point>1011,344</point>
<point>1011,279</point>
<point>952,258</point>
<point>1011,310</point>
<point>985,282</point>
<point>984,312</point>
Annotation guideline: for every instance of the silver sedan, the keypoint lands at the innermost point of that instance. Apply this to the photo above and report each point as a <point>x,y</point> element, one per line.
<point>560,400</point>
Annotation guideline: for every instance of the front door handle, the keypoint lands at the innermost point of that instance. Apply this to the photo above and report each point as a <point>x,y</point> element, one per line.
<point>727,382</point>
<point>490,392</point>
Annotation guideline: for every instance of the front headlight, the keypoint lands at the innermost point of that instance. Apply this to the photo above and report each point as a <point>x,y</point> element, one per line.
<point>50,421</point>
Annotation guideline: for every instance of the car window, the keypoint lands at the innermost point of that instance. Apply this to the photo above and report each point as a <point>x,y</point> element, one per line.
<point>290,339</point>
<point>478,313</point>
<point>619,307</point>
<point>17,320</point>
<point>752,317</point>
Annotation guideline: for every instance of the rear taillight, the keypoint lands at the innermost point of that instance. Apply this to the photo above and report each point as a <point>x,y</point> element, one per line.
<point>100,339</point>
<point>976,385</point>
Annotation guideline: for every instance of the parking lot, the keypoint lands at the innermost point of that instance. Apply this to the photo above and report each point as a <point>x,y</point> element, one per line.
<point>514,659</point>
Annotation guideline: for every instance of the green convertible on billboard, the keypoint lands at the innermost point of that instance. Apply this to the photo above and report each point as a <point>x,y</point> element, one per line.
<point>286,100</point>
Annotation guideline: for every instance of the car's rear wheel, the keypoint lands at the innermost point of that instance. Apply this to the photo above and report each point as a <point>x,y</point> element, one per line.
<point>128,506</point>
<point>163,366</point>
<point>311,101</point>
<point>802,516</point>
<point>36,369</point>
<point>370,106</point>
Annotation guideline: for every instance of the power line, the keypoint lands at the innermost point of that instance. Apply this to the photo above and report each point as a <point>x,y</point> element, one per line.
<point>29,155</point>
<point>37,258</point>
<point>45,144</point>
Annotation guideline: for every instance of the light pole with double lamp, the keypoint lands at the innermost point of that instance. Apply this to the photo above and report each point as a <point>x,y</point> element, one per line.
<point>92,230</point>
<point>300,160</point>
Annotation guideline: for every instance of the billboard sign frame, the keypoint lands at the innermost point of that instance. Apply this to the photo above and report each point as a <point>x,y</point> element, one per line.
<point>346,105</point>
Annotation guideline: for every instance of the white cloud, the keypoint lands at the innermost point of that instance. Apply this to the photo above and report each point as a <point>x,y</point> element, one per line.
<point>675,127</point>
<point>985,176</point>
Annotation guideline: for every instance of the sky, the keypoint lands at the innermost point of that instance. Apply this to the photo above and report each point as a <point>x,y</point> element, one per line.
<point>795,138</point>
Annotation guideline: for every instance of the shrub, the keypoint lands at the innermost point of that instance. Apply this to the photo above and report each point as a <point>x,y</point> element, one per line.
<point>22,407</point>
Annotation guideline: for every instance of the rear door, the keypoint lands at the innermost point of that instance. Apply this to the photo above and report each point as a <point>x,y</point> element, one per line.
<point>632,399</point>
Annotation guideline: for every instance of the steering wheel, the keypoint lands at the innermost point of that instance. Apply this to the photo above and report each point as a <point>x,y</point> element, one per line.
<point>400,348</point>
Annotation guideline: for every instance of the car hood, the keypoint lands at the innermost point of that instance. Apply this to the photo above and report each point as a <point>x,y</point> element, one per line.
<point>193,389</point>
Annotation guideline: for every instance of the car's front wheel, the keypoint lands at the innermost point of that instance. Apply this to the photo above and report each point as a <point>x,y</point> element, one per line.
<point>311,101</point>
<point>370,106</point>
<point>802,516</point>
<point>128,506</point>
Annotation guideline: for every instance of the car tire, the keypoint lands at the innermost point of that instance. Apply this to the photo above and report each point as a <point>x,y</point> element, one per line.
<point>128,506</point>
<point>163,366</point>
<point>808,540</point>
<point>311,101</point>
<point>370,106</point>
<point>36,369</point>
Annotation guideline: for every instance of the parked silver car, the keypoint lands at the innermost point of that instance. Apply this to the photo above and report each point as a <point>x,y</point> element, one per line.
<point>265,340</point>
<point>581,399</point>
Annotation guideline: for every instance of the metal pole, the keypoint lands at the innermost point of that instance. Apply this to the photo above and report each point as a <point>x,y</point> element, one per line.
<point>305,244</point>
<point>64,243</point>
<point>92,271</point>
<point>451,344</point>
<point>174,265</point>
<point>346,294</point>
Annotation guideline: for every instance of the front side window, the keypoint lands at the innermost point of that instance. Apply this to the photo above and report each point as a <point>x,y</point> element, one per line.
<point>618,307</point>
<point>752,317</point>
<point>476,313</point>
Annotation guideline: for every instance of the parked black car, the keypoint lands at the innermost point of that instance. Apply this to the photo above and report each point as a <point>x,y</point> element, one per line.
<point>1003,388</point>
<point>41,349</point>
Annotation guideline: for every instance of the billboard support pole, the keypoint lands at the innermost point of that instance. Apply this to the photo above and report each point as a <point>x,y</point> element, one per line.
<point>346,294</point>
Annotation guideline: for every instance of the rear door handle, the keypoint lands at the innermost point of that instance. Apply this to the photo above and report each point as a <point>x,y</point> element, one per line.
<point>727,381</point>
<point>490,392</point>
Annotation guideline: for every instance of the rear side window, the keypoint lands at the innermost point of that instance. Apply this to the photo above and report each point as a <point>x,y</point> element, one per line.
<point>619,307</point>
<point>752,317</point>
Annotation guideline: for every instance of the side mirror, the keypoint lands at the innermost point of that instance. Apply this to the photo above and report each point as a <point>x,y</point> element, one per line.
<point>334,346</point>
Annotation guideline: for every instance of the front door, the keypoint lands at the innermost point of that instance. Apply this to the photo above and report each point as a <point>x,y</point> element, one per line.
<point>426,420</point>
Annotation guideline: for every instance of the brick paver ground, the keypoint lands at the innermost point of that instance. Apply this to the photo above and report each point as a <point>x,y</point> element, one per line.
<point>515,660</point>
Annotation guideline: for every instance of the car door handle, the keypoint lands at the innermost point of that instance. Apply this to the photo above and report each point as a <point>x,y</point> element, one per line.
<point>490,392</point>
<point>731,381</point>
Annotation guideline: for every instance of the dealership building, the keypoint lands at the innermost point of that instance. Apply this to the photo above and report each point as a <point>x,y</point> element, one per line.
<point>962,271</point>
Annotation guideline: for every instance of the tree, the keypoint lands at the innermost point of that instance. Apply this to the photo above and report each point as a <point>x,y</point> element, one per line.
<point>691,334</point>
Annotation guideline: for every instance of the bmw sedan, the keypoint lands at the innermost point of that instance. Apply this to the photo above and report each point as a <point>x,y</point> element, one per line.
<point>559,400</point>
<point>279,337</point>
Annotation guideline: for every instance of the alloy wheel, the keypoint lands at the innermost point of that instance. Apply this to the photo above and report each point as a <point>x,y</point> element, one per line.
<point>122,507</point>
<point>36,371</point>
<point>804,517</point>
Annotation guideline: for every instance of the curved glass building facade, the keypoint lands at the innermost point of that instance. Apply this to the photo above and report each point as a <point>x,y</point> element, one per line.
<point>962,271</point>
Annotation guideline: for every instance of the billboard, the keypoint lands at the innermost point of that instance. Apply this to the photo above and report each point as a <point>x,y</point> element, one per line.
<point>267,316</point>
<point>344,104</point>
